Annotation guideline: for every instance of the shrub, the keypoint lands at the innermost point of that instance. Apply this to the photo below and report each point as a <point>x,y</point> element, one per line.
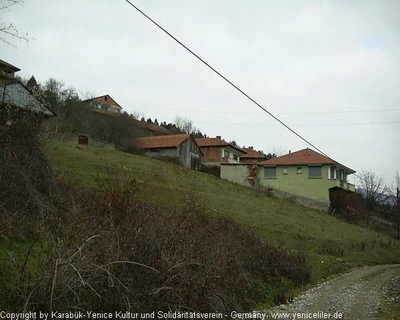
<point>329,247</point>
<point>107,250</point>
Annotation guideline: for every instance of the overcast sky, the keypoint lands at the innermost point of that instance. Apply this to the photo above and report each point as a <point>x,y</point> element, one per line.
<point>329,69</point>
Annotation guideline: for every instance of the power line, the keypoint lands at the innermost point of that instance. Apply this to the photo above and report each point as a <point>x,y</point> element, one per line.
<point>287,113</point>
<point>230,82</point>
<point>226,79</point>
<point>309,125</point>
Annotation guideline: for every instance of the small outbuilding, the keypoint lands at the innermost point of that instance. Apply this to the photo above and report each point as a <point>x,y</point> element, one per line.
<point>177,146</point>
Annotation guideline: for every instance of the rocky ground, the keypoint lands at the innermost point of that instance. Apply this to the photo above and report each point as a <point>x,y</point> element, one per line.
<point>365,293</point>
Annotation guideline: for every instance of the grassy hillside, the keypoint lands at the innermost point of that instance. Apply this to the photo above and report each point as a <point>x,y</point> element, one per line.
<point>332,244</point>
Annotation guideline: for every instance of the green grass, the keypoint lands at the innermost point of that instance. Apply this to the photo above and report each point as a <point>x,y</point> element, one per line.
<point>279,221</point>
<point>18,261</point>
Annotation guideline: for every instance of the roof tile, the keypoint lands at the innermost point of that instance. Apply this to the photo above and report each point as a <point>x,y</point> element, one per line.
<point>304,156</point>
<point>157,142</point>
<point>250,153</point>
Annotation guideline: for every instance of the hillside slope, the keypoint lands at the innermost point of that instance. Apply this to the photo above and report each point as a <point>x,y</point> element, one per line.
<point>332,244</point>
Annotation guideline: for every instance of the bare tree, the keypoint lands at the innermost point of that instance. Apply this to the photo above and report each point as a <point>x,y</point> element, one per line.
<point>184,124</point>
<point>8,31</point>
<point>373,189</point>
<point>277,151</point>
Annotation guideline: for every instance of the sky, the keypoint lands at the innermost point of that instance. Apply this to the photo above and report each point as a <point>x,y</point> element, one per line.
<point>328,69</point>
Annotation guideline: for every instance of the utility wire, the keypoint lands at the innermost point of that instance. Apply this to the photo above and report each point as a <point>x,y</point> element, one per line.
<point>289,113</point>
<point>226,79</point>
<point>310,125</point>
<point>230,82</point>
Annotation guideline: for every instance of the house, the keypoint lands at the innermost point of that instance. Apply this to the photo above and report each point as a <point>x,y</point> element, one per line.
<point>104,104</point>
<point>217,151</point>
<point>7,70</point>
<point>179,146</point>
<point>252,156</point>
<point>305,174</point>
<point>245,172</point>
<point>15,94</point>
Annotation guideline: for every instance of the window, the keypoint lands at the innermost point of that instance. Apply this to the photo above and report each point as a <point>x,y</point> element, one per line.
<point>315,172</point>
<point>226,154</point>
<point>332,172</point>
<point>269,172</point>
<point>235,157</point>
<point>299,170</point>
<point>285,170</point>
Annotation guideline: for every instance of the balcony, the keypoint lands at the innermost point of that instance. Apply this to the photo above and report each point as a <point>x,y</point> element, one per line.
<point>345,185</point>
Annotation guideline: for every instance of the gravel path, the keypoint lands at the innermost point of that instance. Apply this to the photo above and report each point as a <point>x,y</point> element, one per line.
<point>354,295</point>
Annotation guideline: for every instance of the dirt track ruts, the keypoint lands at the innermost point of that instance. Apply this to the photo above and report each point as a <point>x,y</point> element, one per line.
<point>356,295</point>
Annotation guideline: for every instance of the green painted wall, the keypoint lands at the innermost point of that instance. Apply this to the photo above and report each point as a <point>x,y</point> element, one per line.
<point>300,184</point>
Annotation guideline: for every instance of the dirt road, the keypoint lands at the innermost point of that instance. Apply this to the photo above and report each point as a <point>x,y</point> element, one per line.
<point>365,293</point>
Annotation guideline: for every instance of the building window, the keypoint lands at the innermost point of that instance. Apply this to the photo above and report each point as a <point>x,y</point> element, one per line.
<point>226,154</point>
<point>333,173</point>
<point>235,157</point>
<point>269,172</point>
<point>285,170</point>
<point>315,172</point>
<point>299,170</point>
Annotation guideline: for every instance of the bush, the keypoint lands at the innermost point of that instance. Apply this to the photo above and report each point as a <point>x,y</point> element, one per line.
<point>107,250</point>
<point>25,175</point>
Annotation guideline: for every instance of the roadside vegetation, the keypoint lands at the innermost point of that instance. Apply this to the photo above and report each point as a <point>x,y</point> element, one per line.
<point>95,228</point>
<point>65,246</point>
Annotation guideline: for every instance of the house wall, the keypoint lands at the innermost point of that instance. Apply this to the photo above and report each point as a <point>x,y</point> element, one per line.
<point>164,152</point>
<point>215,155</point>
<point>211,154</point>
<point>243,174</point>
<point>188,154</point>
<point>107,104</point>
<point>299,184</point>
<point>6,72</point>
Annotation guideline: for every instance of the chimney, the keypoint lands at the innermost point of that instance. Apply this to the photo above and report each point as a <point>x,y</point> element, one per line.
<point>218,137</point>
<point>251,147</point>
<point>290,151</point>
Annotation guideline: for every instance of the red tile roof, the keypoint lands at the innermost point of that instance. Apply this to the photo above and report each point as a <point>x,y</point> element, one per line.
<point>304,156</point>
<point>152,127</point>
<point>105,99</point>
<point>14,68</point>
<point>211,142</point>
<point>251,154</point>
<point>215,142</point>
<point>159,142</point>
